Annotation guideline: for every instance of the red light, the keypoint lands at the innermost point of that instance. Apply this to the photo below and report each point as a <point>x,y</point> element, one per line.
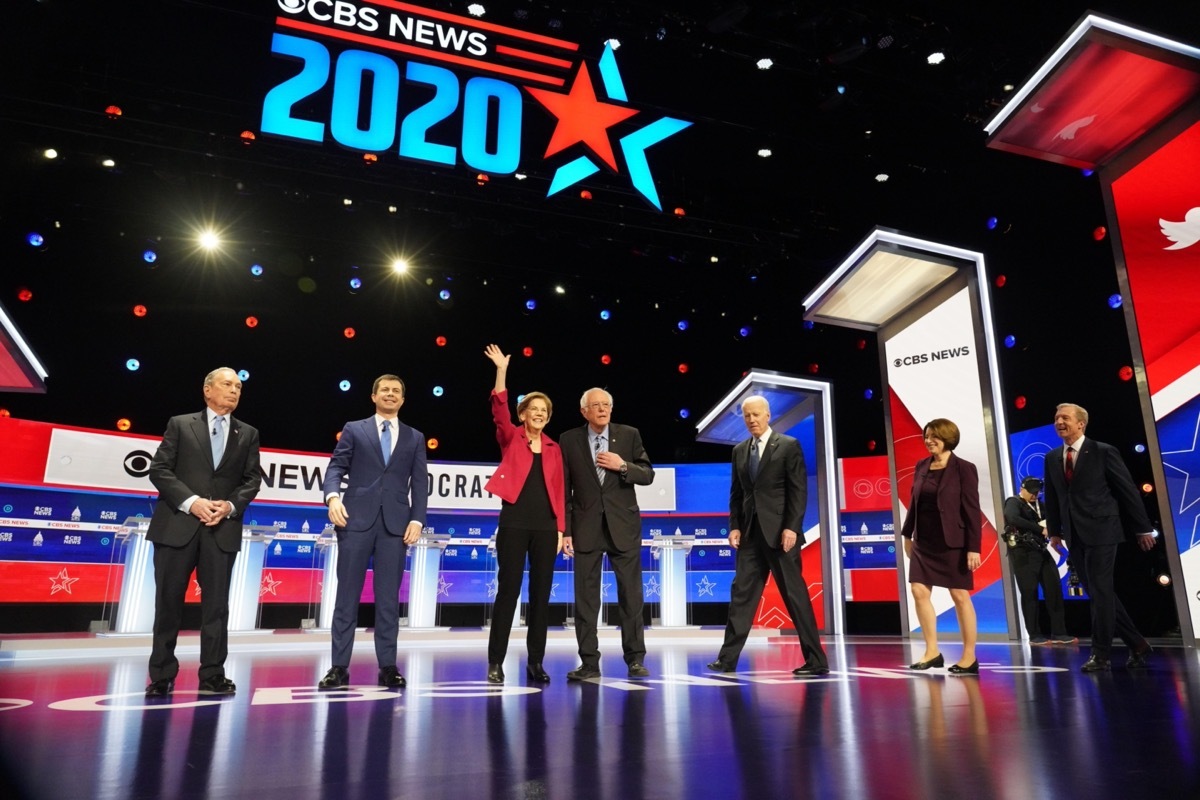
<point>124,424</point>
<point>441,341</point>
<point>679,212</point>
<point>1100,233</point>
<point>113,112</point>
<point>528,351</point>
<point>585,194</point>
<point>349,333</point>
<point>432,444</point>
<point>606,359</point>
<point>814,368</point>
<point>139,311</point>
<point>370,158</point>
<point>1019,401</point>
<point>482,179</point>
<point>1125,373</point>
<point>871,445</point>
<point>251,322</point>
<point>248,138</point>
<point>683,368</point>
<point>24,295</point>
<point>861,344</point>
<point>1000,281</point>
<point>4,412</point>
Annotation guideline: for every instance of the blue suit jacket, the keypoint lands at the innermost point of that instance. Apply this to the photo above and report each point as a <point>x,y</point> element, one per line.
<point>372,489</point>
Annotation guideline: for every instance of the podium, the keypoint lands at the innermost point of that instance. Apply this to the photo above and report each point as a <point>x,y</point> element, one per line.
<point>135,612</point>
<point>327,545</point>
<point>672,571</point>
<point>423,580</point>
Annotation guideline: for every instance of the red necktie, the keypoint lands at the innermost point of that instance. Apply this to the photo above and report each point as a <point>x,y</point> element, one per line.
<point>1069,466</point>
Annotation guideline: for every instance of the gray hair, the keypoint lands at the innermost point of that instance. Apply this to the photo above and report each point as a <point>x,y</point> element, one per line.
<point>1080,412</point>
<point>583,403</point>
<point>758,397</point>
<point>211,377</point>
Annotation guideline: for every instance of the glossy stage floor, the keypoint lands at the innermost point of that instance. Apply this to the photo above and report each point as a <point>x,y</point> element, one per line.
<point>74,724</point>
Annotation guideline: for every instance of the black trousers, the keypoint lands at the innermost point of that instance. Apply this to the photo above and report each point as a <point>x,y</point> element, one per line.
<point>755,559</point>
<point>1030,568</point>
<point>1095,564</point>
<point>172,574</point>
<point>513,546</point>
<point>627,568</point>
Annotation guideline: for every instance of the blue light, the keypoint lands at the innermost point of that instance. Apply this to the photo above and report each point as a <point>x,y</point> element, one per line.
<point>1139,448</point>
<point>438,391</point>
<point>356,283</point>
<point>243,375</point>
<point>1087,173</point>
<point>132,365</point>
<point>1114,301</point>
<point>444,294</point>
<point>868,393</point>
<point>35,240</point>
<point>992,223</point>
<point>344,386</point>
<point>744,331</point>
<point>684,413</point>
<point>841,89</point>
<point>520,397</point>
<point>808,324</point>
<point>1010,340</point>
<point>604,314</point>
<point>530,305</point>
<point>149,256</point>
<point>256,270</point>
<point>682,325</point>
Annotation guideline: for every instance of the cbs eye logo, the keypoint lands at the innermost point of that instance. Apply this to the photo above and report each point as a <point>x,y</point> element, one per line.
<point>137,464</point>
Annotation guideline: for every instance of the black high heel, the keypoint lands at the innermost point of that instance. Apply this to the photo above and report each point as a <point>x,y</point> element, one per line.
<point>955,669</point>
<point>937,661</point>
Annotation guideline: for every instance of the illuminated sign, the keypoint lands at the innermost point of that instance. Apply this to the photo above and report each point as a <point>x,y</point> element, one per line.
<point>397,85</point>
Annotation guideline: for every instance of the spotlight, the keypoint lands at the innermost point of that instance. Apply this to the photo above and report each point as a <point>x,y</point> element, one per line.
<point>347,202</point>
<point>243,375</point>
<point>683,368</point>
<point>35,240</point>
<point>392,209</point>
<point>1010,341</point>
<point>1125,373</point>
<point>344,386</point>
<point>133,365</point>
<point>210,240</point>
<point>251,322</point>
<point>606,359</point>
<point>432,444</point>
<point>615,44</point>
<point>530,305</point>
<point>476,10</point>
<point>520,176</point>
<point>528,353</point>
<point>764,152</point>
<point>112,112</point>
<point>936,58</point>
<point>868,394</point>
<point>992,222</point>
<point>247,137</point>
<point>140,310</point>
<point>1163,579</point>
<point>682,325</point>
<point>256,270</point>
<point>349,333</point>
<point>399,266</point>
<point>149,256</point>
<point>438,391</point>
<point>124,424</point>
<point>660,34</point>
<point>440,341</point>
<point>108,163</point>
<point>684,413</point>
<point>1139,448</point>
<point>764,63</point>
<point>559,289</point>
<point>50,153</point>
<point>882,177</point>
<point>355,284</point>
<point>444,294</point>
<point>605,314</point>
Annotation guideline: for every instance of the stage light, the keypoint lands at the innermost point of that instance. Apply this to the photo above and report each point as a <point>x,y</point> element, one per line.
<point>1114,301</point>
<point>1010,341</point>
<point>50,153</point>
<point>393,209</point>
<point>868,394</point>
<point>399,266</point>
<point>744,331</point>
<point>1139,448</point>
<point>1100,233</point>
<point>440,341</point>
<point>133,365</point>
<point>1087,173</point>
<point>814,368</point>
<point>444,294</point>
<point>1019,401</point>
<point>682,325</point>
<point>683,368</point>
<point>438,391</point>
<point>482,179</point>
<point>108,163</point>
<point>871,445</point>
<point>606,359</point>
<point>684,413</point>
<point>113,112</point>
<point>1125,373</point>
<point>660,34</point>
<point>432,444</point>
<point>861,344</point>
<point>476,10</point>
<point>124,424</point>
<point>764,63</point>
<point>560,289</point>
<point>992,222</point>
<point>1147,488</point>
<point>530,305</point>
<point>764,153</point>
<point>35,240</point>
<point>882,177</point>
<point>347,202</point>
<point>615,44</point>
<point>1008,87</point>
<point>585,194</point>
<point>4,412</point>
<point>139,311</point>
<point>936,58</point>
<point>714,259</point>
<point>1163,579</point>
<point>349,333</point>
<point>370,159</point>
<point>209,239</point>
<point>247,137</point>
<point>24,295</point>
<point>355,284</point>
<point>251,322</point>
<point>344,386</point>
<point>808,324</point>
<point>841,88</point>
<point>605,315</point>
<point>256,270</point>
<point>149,256</point>
<point>520,176</point>
<point>527,352</point>
<point>1000,281</point>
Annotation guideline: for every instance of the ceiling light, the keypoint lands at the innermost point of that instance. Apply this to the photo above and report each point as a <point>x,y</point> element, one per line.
<point>882,177</point>
<point>765,63</point>
<point>936,58</point>
<point>476,10</point>
<point>764,152</point>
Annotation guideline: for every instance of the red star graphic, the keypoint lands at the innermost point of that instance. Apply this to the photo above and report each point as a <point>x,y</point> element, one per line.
<point>582,118</point>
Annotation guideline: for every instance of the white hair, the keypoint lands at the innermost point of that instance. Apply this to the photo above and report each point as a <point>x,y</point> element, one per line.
<point>583,403</point>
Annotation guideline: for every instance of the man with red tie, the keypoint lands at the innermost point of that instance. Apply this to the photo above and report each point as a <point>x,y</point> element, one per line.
<point>1088,491</point>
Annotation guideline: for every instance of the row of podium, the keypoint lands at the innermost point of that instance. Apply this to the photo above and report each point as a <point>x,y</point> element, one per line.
<point>135,610</point>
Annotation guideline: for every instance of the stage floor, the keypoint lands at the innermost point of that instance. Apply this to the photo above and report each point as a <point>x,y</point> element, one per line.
<point>74,724</point>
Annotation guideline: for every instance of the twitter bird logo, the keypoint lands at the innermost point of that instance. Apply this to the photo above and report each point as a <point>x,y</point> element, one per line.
<point>1183,234</point>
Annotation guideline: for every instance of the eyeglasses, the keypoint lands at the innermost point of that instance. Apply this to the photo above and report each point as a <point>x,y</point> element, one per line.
<point>599,406</point>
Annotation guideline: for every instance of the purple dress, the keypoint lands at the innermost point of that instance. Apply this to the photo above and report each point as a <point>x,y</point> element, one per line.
<point>932,562</point>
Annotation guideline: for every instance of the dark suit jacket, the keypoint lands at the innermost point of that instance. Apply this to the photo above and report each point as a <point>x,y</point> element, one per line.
<point>182,467</point>
<point>1021,516</point>
<point>589,502</point>
<point>957,500</point>
<point>778,495</point>
<point>373,489</point>
<point>1101,492</point>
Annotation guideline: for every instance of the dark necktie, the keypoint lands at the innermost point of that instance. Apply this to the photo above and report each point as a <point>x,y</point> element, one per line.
<point>1069,464</point>
<point>596,459</point>
<point>385,441</point>
<point>753,459</point>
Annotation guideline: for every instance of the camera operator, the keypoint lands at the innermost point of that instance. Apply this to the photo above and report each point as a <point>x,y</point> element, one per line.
<point>1032,563</point>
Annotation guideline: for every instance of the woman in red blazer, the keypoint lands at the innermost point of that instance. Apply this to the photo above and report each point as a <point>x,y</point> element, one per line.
<point>943,535</point>
<point>530,484</point>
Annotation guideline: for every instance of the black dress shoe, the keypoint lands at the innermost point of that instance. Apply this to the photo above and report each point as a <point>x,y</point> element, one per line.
<point>1138,658</point>
<point>336,678</point>
<point>391,678</point>
<point>160,688</point>
<point>720,666</point>
<point>638,670</point>
<point>955,669</point>
<point>217,684</point>
<point>495,674</point>
<point>810,669</point>
<point>937,661</point>
<point>583,673</point>
<point>536,673</point>
<point>1094,664</point>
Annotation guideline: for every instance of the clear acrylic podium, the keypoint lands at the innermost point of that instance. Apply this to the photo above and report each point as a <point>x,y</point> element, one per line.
<point>423,580</point>
<point>672,570</point>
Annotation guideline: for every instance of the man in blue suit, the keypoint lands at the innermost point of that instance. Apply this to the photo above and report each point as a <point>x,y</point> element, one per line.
<point>382,511</point>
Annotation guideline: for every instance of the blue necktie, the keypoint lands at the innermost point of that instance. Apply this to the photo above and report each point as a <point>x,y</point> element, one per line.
<point>218,440</point>
<point>753,459</point>
<point>599,449</point>
<point>385,442</point>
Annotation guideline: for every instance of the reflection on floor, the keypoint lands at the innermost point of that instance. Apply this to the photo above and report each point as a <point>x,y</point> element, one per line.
<point>1030,726</point>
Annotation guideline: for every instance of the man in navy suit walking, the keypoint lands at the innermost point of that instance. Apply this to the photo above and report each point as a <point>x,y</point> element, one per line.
<point>381,512</point>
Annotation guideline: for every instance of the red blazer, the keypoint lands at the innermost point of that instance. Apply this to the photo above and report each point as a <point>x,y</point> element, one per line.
<point>516,458</point>
<point>958,504</point>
